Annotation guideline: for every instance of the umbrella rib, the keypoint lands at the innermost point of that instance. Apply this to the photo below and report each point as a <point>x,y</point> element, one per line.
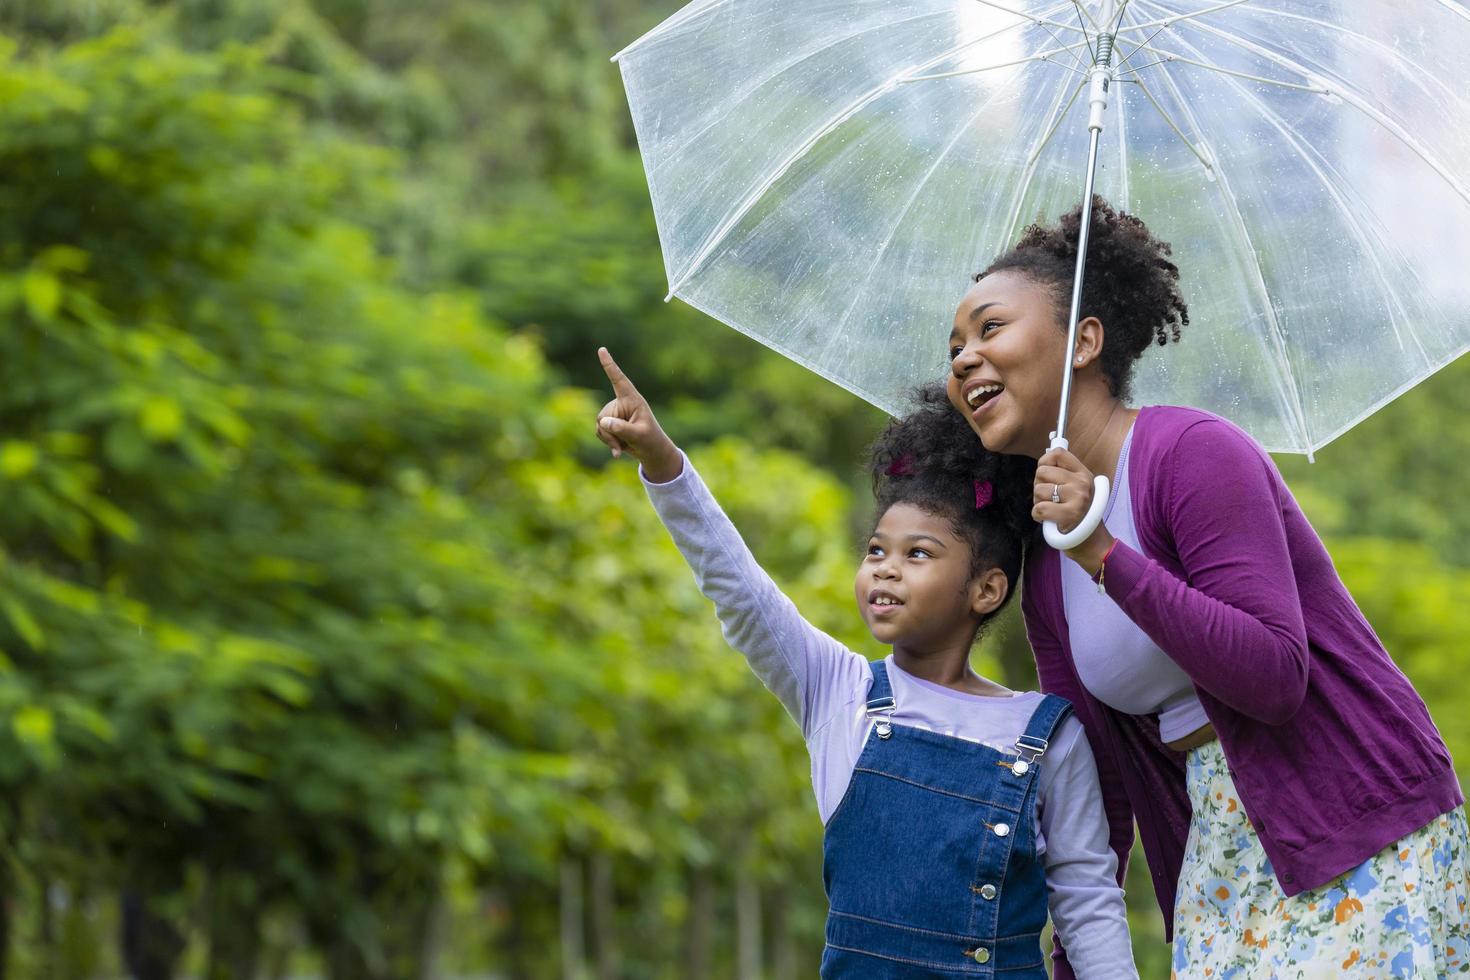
<point>1056,124</point>
<point>1125,201</point>
<point>1059,112</point>
<point>1193,148</point>
<point>1084,12</point>
<point>689,140</point>
<point>1118,17</point>
<point>1278,333</point>
<point>1353,99</point>
<point>1166,22</point>
<point>1151,64</point>
<point>1039,56</point>
<point>908,205</point>
<point>1125,189</point>
<point>1091,53</point>
<point>1043,19</point>
<point>1455,8</point>
<point>663,27</point>
<point>1387,50</point>
<point>1355,225</point>
<point>1076,61</point>
<point>1435,366</point>
<point>852,109</point>
<point>1130,54</point>
<point>1169,56</point>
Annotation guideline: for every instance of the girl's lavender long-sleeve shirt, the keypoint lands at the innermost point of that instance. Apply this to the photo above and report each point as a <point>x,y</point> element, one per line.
<point>1331,748</point>
<point>824,686</point>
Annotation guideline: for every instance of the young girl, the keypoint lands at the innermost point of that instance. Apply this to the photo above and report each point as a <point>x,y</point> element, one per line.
<point>957,812</point>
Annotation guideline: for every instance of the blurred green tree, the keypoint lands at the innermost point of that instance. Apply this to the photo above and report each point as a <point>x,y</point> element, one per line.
<point>305,609</point>
<point>321,621</point>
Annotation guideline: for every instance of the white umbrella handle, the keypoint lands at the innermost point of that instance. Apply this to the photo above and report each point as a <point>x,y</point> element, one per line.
<point>1083,531</point>
<point>1100,490</point>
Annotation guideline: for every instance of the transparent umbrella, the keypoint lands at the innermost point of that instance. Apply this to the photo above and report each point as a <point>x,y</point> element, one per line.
<point>826,176</point>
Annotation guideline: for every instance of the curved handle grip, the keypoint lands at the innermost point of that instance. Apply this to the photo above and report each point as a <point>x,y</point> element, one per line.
<point>1090,521</point>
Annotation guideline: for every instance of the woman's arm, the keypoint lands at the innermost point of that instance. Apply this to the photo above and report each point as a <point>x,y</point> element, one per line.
<point>1081,869</point>
<point>1234,624</point>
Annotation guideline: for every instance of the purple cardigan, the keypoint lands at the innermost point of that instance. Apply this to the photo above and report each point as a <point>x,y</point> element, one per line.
<point>1332,750</point>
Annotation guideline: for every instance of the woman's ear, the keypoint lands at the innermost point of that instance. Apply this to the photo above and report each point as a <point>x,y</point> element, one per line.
<point>988,591</point>
<point>1090,336</point>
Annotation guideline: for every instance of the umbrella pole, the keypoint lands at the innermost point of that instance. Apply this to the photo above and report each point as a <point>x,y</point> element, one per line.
<point>1101,77</point>
<point>1077,278</point>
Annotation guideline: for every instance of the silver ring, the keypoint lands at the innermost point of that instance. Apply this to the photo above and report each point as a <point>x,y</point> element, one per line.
<point>1056,494</point>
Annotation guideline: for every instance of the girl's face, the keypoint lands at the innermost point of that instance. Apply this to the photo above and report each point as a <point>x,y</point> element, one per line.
<point>1006,355</point>
<point>914,586</point>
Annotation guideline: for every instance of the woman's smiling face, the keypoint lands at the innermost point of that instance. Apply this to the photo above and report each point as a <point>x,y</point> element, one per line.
<point>1006,356</point>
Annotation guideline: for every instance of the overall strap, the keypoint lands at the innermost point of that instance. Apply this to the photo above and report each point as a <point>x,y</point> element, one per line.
<point>1034,742</point>
<point>880,699</point>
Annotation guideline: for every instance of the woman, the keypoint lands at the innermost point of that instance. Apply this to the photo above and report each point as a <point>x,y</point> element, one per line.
<point>1298,808</point>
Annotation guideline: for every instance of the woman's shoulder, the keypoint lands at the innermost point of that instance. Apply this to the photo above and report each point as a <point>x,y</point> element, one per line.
<point>1175,420</point>
<point>1163,430</point>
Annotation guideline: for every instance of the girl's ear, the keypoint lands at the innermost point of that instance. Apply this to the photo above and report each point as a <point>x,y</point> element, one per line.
<point>988,591</point>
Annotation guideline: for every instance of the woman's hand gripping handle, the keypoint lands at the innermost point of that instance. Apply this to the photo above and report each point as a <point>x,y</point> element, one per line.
<point>1067,495</point>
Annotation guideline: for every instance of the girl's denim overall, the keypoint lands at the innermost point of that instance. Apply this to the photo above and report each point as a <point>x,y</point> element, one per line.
<point>931,866</point>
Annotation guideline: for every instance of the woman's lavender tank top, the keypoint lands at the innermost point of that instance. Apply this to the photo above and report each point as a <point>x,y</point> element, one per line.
<point>1116,660</point>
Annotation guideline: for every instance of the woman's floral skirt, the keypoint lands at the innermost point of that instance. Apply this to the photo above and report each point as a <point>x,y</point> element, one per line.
<point>1405,912</point>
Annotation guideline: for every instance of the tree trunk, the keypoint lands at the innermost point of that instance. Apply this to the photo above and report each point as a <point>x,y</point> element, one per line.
<point>604,908</point>
<point>747,928</point>
<point>9,886</point>
<point>47,917</point>
<point>277,950</point>
<point>431,943</point>
<point>573,938</point>
<point>388,941</point>
<point>7,906</point>
<point>518,944</point>
<point>151,945</point>
<point>701,923</point>
<point>783,952</point>
<point>233,927</point>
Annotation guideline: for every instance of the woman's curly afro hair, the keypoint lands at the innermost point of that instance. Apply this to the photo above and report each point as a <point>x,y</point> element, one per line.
<point>1131,285</point>
<point>931,459</point>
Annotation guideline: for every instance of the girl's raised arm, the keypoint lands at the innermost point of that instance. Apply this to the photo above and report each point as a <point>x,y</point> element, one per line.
<point>813,674</point>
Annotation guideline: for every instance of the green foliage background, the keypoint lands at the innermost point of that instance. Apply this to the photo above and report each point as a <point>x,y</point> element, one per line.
<point>329,643</point>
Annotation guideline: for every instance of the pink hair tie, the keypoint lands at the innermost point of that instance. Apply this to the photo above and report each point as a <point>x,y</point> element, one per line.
<point>902,466</point>
<point>984,494</point>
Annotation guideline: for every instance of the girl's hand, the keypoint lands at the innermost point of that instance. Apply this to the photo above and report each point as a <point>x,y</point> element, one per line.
<point>1072,481</point>
<point>626,424</point>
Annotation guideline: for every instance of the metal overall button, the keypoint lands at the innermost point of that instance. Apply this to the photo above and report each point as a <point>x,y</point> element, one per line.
<point>1028,746</point>
<point>1002,829</point>
<point>987,891</point>
<point>981,955</point>
<point>881,711</point>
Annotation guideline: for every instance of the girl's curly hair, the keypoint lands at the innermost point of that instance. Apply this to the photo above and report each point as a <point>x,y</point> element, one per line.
<point>1131,285</point>
<point>930,458</point>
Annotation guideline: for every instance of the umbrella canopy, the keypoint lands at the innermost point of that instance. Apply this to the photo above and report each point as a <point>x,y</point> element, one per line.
<point>826,177</point>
